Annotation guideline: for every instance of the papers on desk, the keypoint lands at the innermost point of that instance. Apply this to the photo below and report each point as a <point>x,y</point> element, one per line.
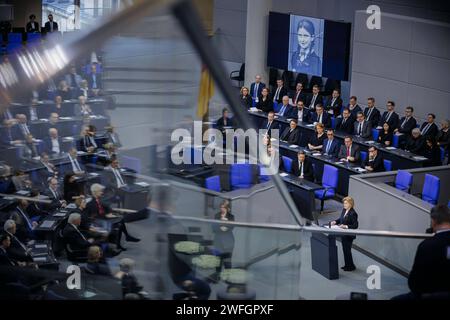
<point>67,101</point>
<point>93,174</point>
<point>22,192</point>
<point>379,127</point>
<point>68,139</point>
<point>253,109</point>
<point>399,134</point>
<point>339,162</point>
<point>284,174</point>
<point>316,154</point>
<point>332,227</point>
<point>59,214</point>
<point>37,158</point>
<point>44,120</point>
<point>47,224</point>
<point>330,111</point>
<point>89,294</point>
<point>370,141</point>
<point>81,153</point>
<point>142,184</point>
<point>420,158</point>
<point>391,148</point>
<point>361,170</point>
<point>293,146</point>
<point>71,206</point>
<point>41,246</point>
<point>311,125</point>
<point>40,259</point>
<point>65,118</point>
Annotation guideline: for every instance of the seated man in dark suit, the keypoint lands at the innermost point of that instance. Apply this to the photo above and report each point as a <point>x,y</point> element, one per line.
<point>314,99</point>
<point>53,143</point>
<point>374,162</point>
<point>430,272</point>
<point>407,123</point>
<point>429,128</point>
<point>87,141</point>
<point>22,125</point>
<point>286,108</point>
<point>349,151</point>
<point>363,128</point>
<point>321,117</point>
<point>353,107</point>
<point>302,167</point>
<point>334,103</point>
<point>73,238</point>
<point>17,250</point>
<point>345,123</point>
<point>330,144</point>
<point>415,143</point>
<point>301,113</point>
<point>24,224</point>
<point>291,134</point>
<point>224,121</point>
<point>298,95</point>
<point>54,194</point>
<point>270,123</point>
<point>9,134</point>
<point>390,116</point>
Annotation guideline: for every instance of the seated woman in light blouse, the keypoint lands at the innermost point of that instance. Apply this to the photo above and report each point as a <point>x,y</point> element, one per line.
<point>316,140</point>
<point>386,136</point>
<point>347,220</point>
<point>246,99</point>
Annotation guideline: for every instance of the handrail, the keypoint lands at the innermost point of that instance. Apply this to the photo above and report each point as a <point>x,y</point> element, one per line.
<point>312,229</point>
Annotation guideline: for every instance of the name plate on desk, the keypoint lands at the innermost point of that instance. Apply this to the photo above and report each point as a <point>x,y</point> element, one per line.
<point>293,146</point>
<point>254,109</point>
<point>47,224</point>
<point>284,174</point>
<point>317,154</point>
<point>391,148</point>
<point>59,214</point>
<point>142,184</point>
<point>419,158</point>
<point>361,170</point>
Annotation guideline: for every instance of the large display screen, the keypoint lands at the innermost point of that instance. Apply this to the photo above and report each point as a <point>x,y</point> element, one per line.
<point>309,45</point>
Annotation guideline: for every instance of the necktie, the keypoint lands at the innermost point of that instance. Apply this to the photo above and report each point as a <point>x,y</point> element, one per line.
<point>404,122</point>
<point>268,125</point>
<point>92,140</point>
<point>388,117</point>
<point>425,129</point>
<point>30,226</point>
<point>360,128</point>
<point>333,101</point>
<point>313,100</point>
<point>277,93</point>
<point>328,146</point>
<point>74,82</point>
<point>25,129</point>
<point>348,152</point>
<point>301,169</point>
<point>369,113</point>
<point>119,177</point>
<point>33,115</point>
<point>255,93</point>
<point>343,121</point>
<point>101,210</point>
<point>283,109</point>
<point>320,118</point>
<point>300,116</point>
<point>94,81</point>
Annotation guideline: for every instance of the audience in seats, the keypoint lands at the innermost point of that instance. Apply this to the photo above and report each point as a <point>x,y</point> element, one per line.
<point>317,139</point>
<point>371,113</point>
<point>349,151</point>
<point>265,103</point>
<point>390,116</point>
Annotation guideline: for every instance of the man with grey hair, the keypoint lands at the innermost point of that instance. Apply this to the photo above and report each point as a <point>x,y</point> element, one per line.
<point>17,250</point>
<point>53,143</point>
<point>73,237</point>
<point>415,143</point>
<point>130,284</point>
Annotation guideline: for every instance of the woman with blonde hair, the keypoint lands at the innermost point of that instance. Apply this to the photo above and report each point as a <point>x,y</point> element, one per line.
<point>316,141</point>
<point>245,98</point>
<point>347,220</point>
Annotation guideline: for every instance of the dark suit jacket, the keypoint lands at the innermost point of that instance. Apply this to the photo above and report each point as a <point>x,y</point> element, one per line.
<point>13,134</point>
<point>273,125</point>
<point>433,155</point>
<point>298,96</point>
<point>443,138</point>
<point>287,113</point>
<point>84,143</point>
<point>98,80</point>
<point>220,123</point>
<point>354,152</point>
<point>29,28</point>
<point>432,130</point>
<point>430,271</point>
<point>383,137</point>
<point>17,250</point>
<point>291,137</point>
<point>283,92</point>
<point>334,147</point>
<point>308,171</point>
<point>47,26</point>
<point>355,111</point>
<point>350,220</point>
<point>92,211</point>
<point>346,127</point>
<point>260,87</point>
<point>366,129</point>
<point>415,145</point>
<point>393,120</point>
<point>266,105</point>
<point>306,114</point>
<point>246,102</point>
<point>335,107</point>
<point>326,119</point>
<point>408,126</point>
<point>374,116</point>
<point>74,238</point>
<point>309,99</point>
<point>55,201</point>
<point>48,145</point>
<point>376,164</point>
<point>6,261</point>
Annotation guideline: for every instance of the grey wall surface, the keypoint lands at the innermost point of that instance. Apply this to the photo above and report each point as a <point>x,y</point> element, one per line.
<point>407,61</point>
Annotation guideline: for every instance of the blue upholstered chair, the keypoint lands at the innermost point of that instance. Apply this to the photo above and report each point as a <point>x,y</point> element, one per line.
<point>287,163</point>
<point>431,188</point>
<point>387,165</point>
<point>213,183</point>
<point>330,180</point>
<point>403,180</point>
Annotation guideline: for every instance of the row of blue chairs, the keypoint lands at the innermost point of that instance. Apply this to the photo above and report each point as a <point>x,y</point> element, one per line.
<point>430,190</point>
<point>16,37</point>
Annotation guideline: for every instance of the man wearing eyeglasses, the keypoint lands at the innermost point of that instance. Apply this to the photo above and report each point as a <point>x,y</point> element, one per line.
<point>374,162</point>
<point>330,144</point>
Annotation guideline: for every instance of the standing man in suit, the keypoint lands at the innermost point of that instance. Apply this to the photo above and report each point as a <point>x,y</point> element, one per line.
<point>362,127</point>
<point>256,88</point>
<point>353,107</point>
<point>345,123</point>
<point>270,124</point>
<point>371,113</point>
<point>347,220</point>
<point>321,117</point>
<point>303,168</point>
<point>429,273</point>
<point>298,95</point>
<point>50,25</point>
<point>334,103</point>
<point>280,92</point>
<point>390,116</point>
<point>315,98</point>
<point>348,151</point>
<point>330,144</point>
<point>285,109</point>
<point>374,162</point>
<point>291,134</point>
<point>32,26</point>
<point>301,113</point>
<point>429,128</point>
